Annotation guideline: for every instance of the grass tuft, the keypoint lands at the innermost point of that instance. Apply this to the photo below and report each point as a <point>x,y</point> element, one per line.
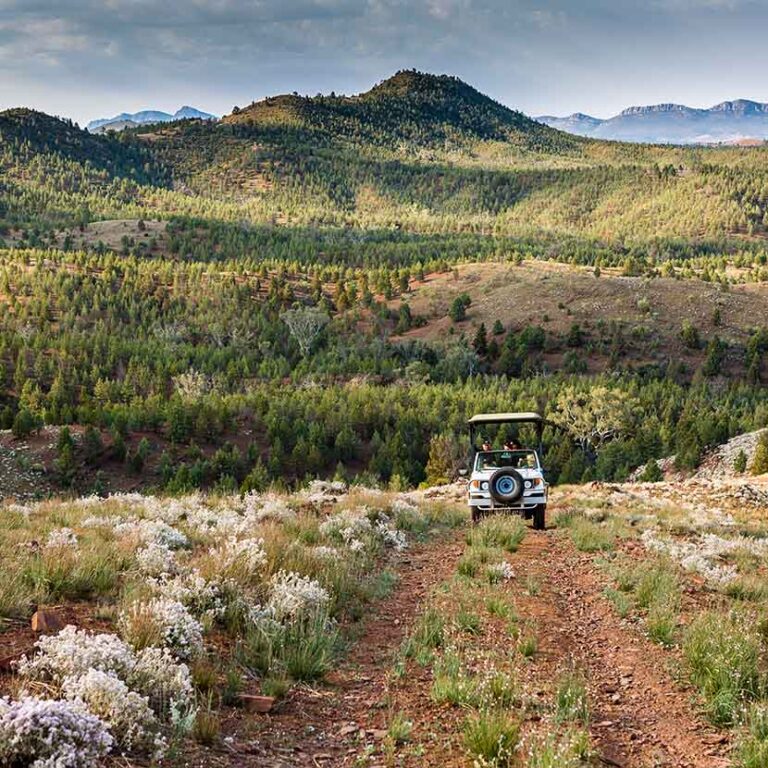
<point>505,532</point>
<point>491,737</point>
<point>722,653</point>
<point>571,701</point>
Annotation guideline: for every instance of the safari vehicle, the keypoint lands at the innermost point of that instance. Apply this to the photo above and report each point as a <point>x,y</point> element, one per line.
<point>507,480</point>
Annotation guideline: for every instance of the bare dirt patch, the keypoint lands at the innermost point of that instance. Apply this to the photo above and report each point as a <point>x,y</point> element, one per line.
<point>558,295</point>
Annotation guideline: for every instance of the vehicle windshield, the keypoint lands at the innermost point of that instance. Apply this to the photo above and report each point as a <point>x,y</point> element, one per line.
<point>521,459</point>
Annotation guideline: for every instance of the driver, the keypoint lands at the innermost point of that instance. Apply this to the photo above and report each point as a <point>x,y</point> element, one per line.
<point>487,444</point>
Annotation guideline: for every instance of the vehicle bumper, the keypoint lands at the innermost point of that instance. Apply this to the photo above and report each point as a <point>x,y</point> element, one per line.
<point>528,501</point>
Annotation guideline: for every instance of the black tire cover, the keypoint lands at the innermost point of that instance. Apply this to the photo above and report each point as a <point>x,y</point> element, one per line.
<point>511,474</point>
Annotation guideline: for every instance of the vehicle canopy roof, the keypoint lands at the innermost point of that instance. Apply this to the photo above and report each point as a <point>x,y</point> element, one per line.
<point>512,417</point>
<point>505,418</point>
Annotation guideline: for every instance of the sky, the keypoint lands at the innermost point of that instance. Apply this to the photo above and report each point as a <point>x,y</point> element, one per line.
<point>94,58</point>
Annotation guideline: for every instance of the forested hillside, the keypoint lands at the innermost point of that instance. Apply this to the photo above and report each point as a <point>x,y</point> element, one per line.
<point>296,291</point>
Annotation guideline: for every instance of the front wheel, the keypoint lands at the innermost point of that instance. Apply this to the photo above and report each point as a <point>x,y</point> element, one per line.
<point>539,517</point>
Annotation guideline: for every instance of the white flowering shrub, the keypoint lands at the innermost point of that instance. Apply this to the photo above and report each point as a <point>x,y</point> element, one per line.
<point>163,680</point>
<point>40,733</point>
<point>201,597</point>
<point>326,487</point>
<point>98,521</point>
<point>241,559</point>
<point>73,652</point>
<point>127,714</point>
<point>325,553</point>
<point>390,537</point>
<point>501,571</point>
<point>227,519</point>
<point>156,559</point>
<point>703,556</point>
<point>61,538</point>
<point>321,492</point>
<point>293,595</point>
<point>406,515</point>
<point>271,509</point>
<point>25,510</point>
<point>363,528</point>
<point>349,527</point>
<point>165,623</point>
<point>152,531</point>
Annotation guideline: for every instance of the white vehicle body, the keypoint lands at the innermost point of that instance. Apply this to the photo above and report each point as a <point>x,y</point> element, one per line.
<point>525,463</point>
<point>510,480</point>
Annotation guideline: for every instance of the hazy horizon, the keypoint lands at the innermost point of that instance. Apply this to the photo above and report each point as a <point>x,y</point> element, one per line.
<point>95,59</point>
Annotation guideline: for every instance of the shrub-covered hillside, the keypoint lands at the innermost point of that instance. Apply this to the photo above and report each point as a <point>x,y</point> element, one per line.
<point>170,294</point>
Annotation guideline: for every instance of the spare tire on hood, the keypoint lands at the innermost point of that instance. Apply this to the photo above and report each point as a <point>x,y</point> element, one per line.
<point>506,485</point>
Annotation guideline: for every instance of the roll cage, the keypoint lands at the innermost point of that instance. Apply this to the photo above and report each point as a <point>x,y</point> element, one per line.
<point>484,419</point>
<point>524,458</point>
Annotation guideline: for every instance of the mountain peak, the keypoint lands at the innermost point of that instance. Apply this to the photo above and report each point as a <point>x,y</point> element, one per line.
<point>654,109</point>
<point>741,107</point>
<point>410,107</point>
<point>410,82</point>
<point>727,122</point>
<point>144,117</point>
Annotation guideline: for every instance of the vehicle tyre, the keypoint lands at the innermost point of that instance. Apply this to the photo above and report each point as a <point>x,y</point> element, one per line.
<point>539,515</point>
<point>476,515</point>
<point>506,485</point>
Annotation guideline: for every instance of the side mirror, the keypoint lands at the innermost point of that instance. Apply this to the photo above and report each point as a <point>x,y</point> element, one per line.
<point>463,472</point>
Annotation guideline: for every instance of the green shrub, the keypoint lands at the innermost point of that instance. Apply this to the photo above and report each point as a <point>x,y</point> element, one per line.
<point>399,730</point>
<point>652,473</point>
<point>591,537</point>
<point>722,654</point>
<point>428,634</point>
<point>752,748</point>
<point>571,700</point>
<point>505,532</point>
<point>451,683</point>
<point>760,459</point>
<point>492,737</point>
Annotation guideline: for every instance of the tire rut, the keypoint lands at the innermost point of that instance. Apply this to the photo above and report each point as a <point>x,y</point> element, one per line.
<point>326,725</point>
<point>641,716</point>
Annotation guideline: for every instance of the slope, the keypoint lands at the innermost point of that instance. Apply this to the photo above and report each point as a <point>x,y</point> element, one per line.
<point>412,107</point>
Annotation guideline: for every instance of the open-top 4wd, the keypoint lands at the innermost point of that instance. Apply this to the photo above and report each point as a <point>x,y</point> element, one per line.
<point>509,478</point>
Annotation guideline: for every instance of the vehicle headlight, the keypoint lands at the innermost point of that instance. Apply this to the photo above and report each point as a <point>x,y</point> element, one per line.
<point>484,486</point>
<point>528,484</point>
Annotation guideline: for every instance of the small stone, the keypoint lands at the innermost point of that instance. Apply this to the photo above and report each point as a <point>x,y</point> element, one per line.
<point>254,703</point>
<point>46,622</point>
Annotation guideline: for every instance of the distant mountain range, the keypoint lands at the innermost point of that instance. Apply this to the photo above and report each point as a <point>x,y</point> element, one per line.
<point>132,119</point>
<point>728,122</point>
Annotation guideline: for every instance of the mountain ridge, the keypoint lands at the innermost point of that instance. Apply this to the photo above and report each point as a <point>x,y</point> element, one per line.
<point>146,116</point>
<point>406,107</point>
<point>671,123</point>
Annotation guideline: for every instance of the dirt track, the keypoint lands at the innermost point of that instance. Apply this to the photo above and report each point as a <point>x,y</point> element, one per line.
<point>640,715</point>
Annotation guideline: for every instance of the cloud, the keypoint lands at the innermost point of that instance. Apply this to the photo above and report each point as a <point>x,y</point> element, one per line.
<point>90,57</point>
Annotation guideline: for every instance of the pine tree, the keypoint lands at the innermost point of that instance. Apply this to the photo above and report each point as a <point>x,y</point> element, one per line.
<point>480,343</point>
<point>760,459</point>
<point>440,462</point>
<point>652,473</point>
